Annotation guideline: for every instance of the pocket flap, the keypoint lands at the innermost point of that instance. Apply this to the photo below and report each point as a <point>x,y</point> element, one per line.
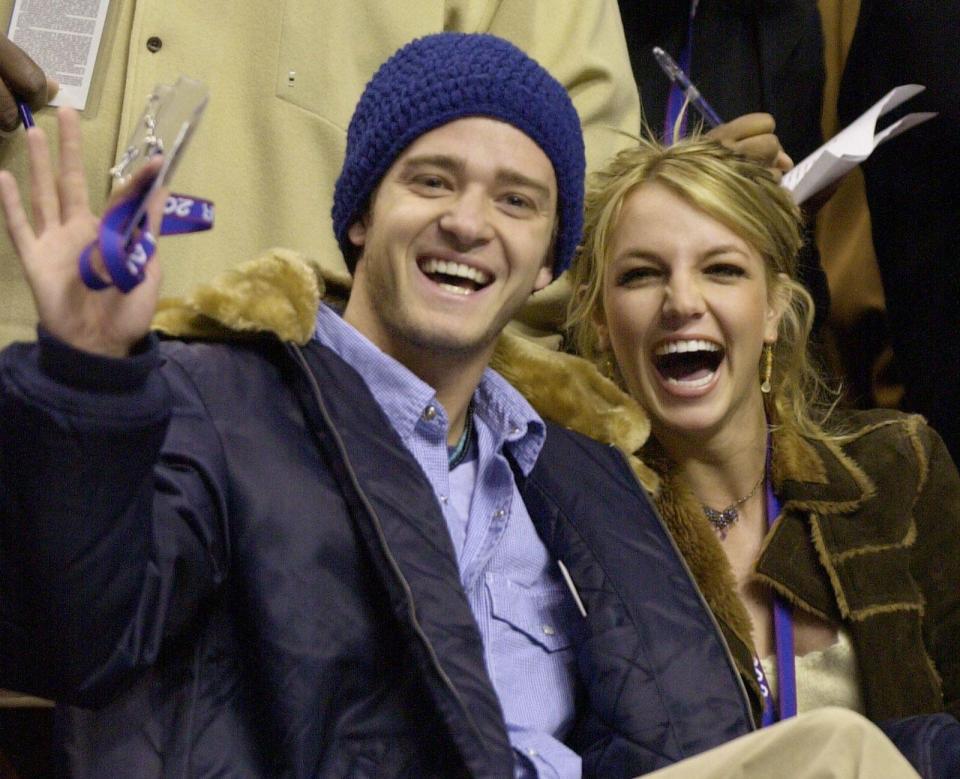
<point>546,615</point>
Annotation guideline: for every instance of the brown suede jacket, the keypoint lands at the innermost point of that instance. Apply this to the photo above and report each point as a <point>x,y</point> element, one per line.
<point>869,535</point>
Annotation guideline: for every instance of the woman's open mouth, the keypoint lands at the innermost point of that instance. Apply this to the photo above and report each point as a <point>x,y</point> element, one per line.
<point>688,364</point>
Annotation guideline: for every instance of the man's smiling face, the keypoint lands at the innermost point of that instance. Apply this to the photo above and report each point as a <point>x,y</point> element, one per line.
<point>456,239</point>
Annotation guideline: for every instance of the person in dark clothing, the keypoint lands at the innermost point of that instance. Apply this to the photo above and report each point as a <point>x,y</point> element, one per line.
<point>745,56</point>
<point>913,192</point>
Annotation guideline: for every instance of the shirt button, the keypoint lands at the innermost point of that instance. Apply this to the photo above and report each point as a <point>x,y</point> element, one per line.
<point>499,513</point>
<point>443,498</point>
<point>532,752</point>
<point>154,44</point>
<point>429,413</point>
<point>548,630</point>
<point>514,430</point>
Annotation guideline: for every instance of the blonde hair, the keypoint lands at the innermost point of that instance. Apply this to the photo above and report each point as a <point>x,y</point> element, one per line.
<point>744,197</point>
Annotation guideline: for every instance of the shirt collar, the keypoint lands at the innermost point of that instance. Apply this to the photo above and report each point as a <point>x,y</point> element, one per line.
<point>514,423</point>
<point>405,398</point>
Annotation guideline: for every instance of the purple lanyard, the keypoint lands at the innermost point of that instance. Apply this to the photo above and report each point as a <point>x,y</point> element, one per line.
<point>783,636</point>
<point>675,97</point>
<point>125,259</point>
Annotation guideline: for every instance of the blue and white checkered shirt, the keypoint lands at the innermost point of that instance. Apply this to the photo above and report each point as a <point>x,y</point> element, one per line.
<point>526,615</point>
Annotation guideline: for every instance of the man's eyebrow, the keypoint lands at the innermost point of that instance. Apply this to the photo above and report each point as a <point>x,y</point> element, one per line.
<point>442,161</point>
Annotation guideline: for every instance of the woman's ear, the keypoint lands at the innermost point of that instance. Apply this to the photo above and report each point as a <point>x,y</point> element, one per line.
<point>601,329</point>
<point>776,308</point>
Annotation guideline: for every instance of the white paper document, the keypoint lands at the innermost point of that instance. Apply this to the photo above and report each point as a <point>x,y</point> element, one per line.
<point>63,38</point>
<point>853,145</point>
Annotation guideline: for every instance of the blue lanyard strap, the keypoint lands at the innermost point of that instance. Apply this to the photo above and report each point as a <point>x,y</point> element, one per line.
<point>125,259</point>
<point>783,636</point>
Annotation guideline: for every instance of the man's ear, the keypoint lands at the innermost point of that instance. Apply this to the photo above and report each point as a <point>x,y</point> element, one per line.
<point>544,277</point>
<point>357,232</point>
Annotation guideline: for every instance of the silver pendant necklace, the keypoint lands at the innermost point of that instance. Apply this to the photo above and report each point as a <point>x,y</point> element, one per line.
<point>722,520</point>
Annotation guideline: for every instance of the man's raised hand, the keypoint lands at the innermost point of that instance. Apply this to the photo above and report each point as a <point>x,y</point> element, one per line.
<point>105,322</point>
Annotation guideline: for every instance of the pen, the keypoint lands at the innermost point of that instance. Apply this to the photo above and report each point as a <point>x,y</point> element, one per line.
<point>25,114</point>
<point>690,92</point>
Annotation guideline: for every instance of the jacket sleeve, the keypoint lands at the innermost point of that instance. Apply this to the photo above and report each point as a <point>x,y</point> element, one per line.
<point>110,516</point>
<point>583,46</point>
<point>936,561</point>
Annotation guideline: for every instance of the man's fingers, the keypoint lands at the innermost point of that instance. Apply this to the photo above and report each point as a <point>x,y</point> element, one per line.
<point>72,181</point>
<point>22,76</point>
<point>743,127</point>
<point>9,113</point>
<point>18,226</point>
<point>762,149</point>
<point>783,162</point>
<point>752,135</point>
<point>43,193</point>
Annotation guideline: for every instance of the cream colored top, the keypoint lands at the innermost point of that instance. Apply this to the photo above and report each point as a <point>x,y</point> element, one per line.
<point>829,677</point>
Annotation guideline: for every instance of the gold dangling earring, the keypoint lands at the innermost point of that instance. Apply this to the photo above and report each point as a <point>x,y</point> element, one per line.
<point>767,368</point>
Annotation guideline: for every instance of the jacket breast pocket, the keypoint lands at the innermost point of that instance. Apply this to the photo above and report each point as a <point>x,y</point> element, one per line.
<point>328,51</point>
<point>546,616</point>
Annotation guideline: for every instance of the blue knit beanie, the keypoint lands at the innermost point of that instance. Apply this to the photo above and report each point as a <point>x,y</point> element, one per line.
<point>448,76</point>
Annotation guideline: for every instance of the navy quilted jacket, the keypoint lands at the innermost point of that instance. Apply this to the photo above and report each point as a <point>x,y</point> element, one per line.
<point>225,555</point>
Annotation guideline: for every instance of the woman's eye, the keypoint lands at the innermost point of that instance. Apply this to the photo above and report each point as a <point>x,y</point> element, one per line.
<point>637,275</point>
<point>726,270</point>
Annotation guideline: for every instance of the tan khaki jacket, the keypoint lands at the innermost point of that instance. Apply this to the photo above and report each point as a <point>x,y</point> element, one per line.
<point>284,77</point>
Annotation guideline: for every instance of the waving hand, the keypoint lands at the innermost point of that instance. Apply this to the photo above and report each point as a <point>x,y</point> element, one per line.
<point>105,322</point>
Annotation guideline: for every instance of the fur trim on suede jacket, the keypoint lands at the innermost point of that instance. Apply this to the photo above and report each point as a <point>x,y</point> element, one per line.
<point>869,535</point>
<point>869,538</point>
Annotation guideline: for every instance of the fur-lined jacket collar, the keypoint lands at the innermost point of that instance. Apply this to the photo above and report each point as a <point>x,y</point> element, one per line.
<point>279,293</point>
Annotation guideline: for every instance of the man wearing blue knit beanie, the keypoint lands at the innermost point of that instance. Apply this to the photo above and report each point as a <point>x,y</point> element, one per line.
<point>353,551</point>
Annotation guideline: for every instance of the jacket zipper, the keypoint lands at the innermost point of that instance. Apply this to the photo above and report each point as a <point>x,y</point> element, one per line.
<point>745,697</point>
<point>394,567</point>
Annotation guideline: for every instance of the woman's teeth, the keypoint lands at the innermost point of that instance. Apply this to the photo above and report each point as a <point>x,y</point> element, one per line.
<point>692,345</point>
<point>689,363</point>
<point>692,383</point>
